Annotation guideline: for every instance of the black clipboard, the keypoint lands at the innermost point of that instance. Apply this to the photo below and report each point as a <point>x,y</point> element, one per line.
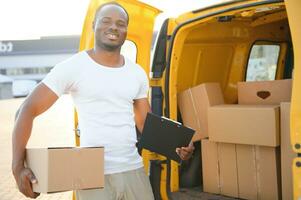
<point>163,136</point>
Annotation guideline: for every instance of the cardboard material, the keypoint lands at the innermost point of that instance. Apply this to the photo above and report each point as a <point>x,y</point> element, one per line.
<point>287,153</point>
<point>243,171</point>
<point>268,172</point>
<point>64,169</point>
<point>210,167</point>
<point>244,124</point>
<point>219,168</point>
<point>228,169</point>
<point>193,104</point>
<point>264,92</point>
<point>258,172</point>
<point>247,172</point>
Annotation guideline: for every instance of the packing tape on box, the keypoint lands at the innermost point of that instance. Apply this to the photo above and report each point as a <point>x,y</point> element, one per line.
<point>257,165</point>
<point>221,181</point>
<point>218,169</point>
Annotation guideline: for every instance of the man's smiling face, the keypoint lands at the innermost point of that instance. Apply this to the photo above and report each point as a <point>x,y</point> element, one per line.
<point>110,27</point>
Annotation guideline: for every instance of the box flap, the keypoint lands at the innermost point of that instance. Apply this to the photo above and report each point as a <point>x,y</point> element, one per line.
<point>188,112</point>
<point>194,103</point>
<point>264,92</point>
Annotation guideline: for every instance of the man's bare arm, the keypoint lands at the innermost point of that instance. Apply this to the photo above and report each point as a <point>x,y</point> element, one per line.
<point>36,103</point>
<point>141,108</point>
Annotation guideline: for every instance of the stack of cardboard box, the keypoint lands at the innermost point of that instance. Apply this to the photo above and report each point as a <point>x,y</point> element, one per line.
<point>240,142</point>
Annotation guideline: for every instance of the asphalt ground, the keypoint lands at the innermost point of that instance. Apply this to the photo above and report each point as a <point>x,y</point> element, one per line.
<point>52,128</point>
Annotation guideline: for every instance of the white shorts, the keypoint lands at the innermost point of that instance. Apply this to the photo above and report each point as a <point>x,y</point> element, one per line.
<point>130,185</point>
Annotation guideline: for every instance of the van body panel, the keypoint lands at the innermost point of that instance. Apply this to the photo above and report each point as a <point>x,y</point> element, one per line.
<point>214,44</point>
<point>294,18</point>
<point>203,48</point>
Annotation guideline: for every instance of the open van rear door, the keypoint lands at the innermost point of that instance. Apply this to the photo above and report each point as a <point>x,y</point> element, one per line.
<point>294,18</point>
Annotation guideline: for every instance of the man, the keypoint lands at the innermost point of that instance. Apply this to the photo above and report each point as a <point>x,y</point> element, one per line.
<point>110,94</point>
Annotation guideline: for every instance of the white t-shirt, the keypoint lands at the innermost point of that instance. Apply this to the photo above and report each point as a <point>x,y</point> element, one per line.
<point>103,97</point>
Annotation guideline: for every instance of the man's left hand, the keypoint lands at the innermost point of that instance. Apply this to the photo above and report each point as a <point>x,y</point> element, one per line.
<point>185,153</point>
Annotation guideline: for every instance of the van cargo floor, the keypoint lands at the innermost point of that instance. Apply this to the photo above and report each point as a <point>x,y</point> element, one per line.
<point>197,194</point>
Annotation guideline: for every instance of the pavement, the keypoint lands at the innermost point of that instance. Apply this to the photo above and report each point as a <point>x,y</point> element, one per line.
<point>52,128</point>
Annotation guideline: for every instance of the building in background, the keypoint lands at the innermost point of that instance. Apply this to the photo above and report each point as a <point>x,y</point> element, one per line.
<point>28,61</point>
<point>33,59</point>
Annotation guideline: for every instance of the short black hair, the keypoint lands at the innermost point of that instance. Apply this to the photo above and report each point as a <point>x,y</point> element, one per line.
<point>111,3</point>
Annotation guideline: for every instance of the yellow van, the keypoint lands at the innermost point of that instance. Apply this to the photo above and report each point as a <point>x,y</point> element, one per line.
<point>213,44</point>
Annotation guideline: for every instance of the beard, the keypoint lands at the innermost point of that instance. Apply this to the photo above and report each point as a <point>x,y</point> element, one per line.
<point>108,47</point>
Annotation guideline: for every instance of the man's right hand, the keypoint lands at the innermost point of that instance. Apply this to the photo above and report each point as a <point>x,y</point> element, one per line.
<point>39,100</point>
<point>24,179</point>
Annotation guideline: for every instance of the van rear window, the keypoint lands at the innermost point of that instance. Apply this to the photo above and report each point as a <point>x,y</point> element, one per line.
<point>262,64</point>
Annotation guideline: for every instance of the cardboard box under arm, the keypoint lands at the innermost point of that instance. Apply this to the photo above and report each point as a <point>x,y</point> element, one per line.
<point>66,168</point>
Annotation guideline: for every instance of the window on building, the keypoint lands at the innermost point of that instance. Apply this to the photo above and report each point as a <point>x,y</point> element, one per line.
<point>262,64</point>
<point>24,71</point>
